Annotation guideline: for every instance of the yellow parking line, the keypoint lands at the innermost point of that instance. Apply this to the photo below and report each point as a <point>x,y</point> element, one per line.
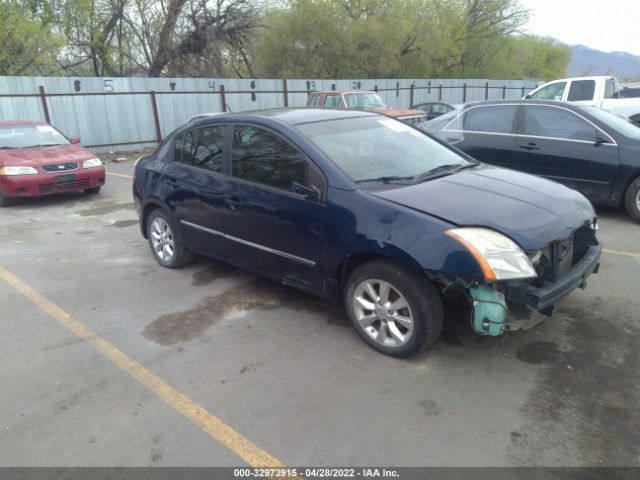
<point>211,424</point>
<point>620,252</point>
<point>119,175</point>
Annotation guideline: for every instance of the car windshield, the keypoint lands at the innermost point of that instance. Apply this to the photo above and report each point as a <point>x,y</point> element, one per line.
<point>364,100</point>
<point>22,136</point>
<point>618,123</point>
<point>375,148</point>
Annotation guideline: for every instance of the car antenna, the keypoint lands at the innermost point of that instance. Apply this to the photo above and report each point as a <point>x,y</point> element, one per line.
<point>227,107</point>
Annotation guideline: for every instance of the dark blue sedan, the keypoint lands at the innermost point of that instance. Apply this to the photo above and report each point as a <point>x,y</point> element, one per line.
<point>365,210</point>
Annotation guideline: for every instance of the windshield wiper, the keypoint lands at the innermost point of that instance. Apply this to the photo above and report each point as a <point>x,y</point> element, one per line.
<point>444,169</point>
<point>387,179</point>
<point>6,148</point>
<point>44,145</point>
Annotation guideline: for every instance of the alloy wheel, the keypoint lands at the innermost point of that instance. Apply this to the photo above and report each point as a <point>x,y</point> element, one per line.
<point>383,312</point>
<point>162,239</point>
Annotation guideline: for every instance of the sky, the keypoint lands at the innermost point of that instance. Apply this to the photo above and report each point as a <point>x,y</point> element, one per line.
<point>609,25</point>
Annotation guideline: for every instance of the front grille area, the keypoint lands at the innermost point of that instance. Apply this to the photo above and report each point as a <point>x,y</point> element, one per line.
<point>64,187</point>
<point>555,260</point>
<point>60,167</point>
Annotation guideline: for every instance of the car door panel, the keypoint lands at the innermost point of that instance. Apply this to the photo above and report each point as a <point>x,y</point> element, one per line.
<point>270,229</point>
<point>564,149</point>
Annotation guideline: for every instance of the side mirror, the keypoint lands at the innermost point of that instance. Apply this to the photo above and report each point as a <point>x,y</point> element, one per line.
<point>527,96</point>
<point>310,193</point>
<point>74,139</point>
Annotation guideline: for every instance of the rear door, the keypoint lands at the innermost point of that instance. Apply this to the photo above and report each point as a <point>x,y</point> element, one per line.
<point>561,145</point>
<point>487,133</point>
<point>193,186</point>
<point>272,223</point>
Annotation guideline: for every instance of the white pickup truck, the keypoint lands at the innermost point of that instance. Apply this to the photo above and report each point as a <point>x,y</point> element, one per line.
<point>603,92</point>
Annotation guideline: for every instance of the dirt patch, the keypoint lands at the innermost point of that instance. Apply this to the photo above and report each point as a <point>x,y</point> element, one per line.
<point>541,353</point>
<point>103,208</point>
<point>586,402</point>
<point>124,223</point>
<point>257,294</point>
<point>213,272</point>
<point>430,407</point>
<point>129,156</point>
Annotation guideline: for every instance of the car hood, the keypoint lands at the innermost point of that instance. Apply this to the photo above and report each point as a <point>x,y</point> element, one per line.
<point>530,210</point>
<point>398,112</point>
<point>32,157</point>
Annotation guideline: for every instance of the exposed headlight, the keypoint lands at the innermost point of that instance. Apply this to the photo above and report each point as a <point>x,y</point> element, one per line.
<point>499,257</point>
<point>18,171</point>
<point>92,162</point>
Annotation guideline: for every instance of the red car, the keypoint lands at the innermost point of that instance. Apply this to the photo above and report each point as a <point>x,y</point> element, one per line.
<point>36,159</point>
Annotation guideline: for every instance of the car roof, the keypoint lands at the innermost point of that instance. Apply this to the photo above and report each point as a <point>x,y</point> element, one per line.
<point>522,102</point>
<point>571,79</point>
<point>326,92</point>
<point>292,116</point>
<point>9,123</point>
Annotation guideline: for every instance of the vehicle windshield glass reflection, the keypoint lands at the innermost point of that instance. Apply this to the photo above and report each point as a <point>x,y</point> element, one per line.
<point>620,124</point>
<point>22,136</point>
<point>381,149</point>
<point>364,101</point>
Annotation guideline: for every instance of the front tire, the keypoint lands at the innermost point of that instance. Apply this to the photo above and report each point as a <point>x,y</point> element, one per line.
<point>165,242</point>
<point>396,311</point>
<point>632,200</point>
<point>5,201</point>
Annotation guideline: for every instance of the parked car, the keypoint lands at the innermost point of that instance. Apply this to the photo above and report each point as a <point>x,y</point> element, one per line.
<point>363,100</point>
<point>36,159</point>
<point>585,148</point>
<point>362,209</point>
<point>602,92</point>
<point>433,109</point>
<point>631,91</point>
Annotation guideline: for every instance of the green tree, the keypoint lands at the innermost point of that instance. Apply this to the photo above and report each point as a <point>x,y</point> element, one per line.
<point>28,46</point>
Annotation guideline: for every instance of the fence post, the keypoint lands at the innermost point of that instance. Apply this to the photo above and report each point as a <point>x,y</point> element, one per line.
<point>285,91</point>
<point>223,98</point>
<point>523,92</point>
<point>375,88</point>
<point>504,92</point>
<point>156,119</point>
<point>464,93</point>
<point>411,95</point>
<point>440,92</point>
<point>486,91</point>
<point>45,108</point>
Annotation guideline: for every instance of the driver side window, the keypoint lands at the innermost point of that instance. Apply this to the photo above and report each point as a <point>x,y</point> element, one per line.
<point>202,148</point>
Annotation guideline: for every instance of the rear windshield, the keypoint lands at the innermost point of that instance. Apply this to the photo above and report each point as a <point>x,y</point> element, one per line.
<point>363,100</point>
<point>21,136</point>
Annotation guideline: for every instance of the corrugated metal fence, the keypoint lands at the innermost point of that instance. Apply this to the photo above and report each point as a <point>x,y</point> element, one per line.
<point>130,113</point>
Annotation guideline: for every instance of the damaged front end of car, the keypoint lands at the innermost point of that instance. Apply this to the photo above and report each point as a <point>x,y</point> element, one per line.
<point>520,288</point>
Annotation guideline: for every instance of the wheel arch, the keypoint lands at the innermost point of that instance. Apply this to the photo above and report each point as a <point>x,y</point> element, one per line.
<point>635,174</point>
<point>150,206</point>
<point>354,260</point>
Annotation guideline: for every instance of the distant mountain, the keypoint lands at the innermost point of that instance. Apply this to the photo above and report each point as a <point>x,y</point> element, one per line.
<point>587,61</point>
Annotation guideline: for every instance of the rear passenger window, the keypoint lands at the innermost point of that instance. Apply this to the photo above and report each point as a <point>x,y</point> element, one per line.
<point>263,157</point>
<point>315,101</point>
<point>581,90</point>
<point>201,148</point>
<point>555,122</point>
<point>493,119</point>
<point>332,101</point>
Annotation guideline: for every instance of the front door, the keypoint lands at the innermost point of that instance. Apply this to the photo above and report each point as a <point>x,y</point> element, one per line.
<point>274,212</point>
<point>558,144</point>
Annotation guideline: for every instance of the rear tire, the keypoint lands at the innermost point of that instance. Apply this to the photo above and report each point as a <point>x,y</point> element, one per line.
<point>92,191</point>
<point>165,242</point>
<point>396,311</point>
<point>632,200</point>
